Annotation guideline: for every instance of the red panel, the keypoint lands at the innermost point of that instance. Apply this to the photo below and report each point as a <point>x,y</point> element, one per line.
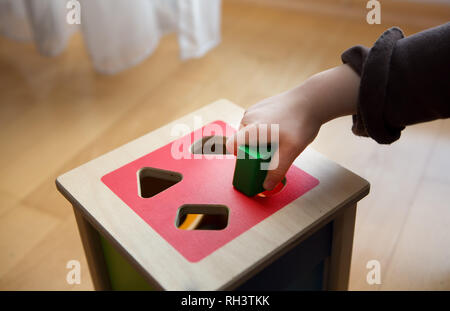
<point>205,181</point>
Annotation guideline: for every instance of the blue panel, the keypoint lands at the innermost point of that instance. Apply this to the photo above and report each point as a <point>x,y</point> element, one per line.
<point>302,268</point>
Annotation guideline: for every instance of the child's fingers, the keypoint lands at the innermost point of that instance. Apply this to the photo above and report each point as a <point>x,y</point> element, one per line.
<point>260,134</point>
<point>279,165</point>
<point>247,135</point>
<point>231,145</point>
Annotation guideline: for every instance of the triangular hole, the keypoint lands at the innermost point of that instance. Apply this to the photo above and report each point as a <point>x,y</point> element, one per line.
<point>152,181</point>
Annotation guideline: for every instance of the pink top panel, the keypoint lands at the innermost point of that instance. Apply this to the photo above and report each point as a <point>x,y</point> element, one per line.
<point>205,181</point>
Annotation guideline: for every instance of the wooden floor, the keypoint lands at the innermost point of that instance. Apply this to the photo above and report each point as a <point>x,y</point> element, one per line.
<point>57,113</point>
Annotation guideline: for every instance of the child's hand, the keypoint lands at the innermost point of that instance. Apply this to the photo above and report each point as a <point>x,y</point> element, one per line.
<point>299,112</point>
<point>297,128</point>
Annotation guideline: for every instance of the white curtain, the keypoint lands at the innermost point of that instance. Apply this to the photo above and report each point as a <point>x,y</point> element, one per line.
<point>118,33</point>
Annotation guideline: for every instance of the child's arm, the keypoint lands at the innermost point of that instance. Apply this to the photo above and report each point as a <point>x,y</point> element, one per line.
<point>404,81</point>
<point>300,112</point>
<point>398,82</point>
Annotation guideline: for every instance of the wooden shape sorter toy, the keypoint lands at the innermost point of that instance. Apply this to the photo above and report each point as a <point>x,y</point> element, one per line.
<point>162,213</point>
<point>204,181</point>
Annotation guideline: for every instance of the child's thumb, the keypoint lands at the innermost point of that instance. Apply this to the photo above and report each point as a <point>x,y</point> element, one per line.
<point>279,165</point>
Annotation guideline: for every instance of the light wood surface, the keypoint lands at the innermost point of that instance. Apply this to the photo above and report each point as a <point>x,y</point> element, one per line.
<point>240,257</point>
<point>57,113</point>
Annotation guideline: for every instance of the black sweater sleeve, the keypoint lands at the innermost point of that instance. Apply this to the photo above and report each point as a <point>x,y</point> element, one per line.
<point>403,81</point>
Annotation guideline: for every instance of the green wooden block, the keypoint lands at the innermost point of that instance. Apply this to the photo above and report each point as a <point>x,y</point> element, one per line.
<point>248,175</point>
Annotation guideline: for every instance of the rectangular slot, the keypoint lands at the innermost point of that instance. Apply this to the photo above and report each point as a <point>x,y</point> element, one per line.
<point>202,217</point>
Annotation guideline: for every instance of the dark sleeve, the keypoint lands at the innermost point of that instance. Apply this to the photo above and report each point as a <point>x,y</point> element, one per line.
<point>403,81</point>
